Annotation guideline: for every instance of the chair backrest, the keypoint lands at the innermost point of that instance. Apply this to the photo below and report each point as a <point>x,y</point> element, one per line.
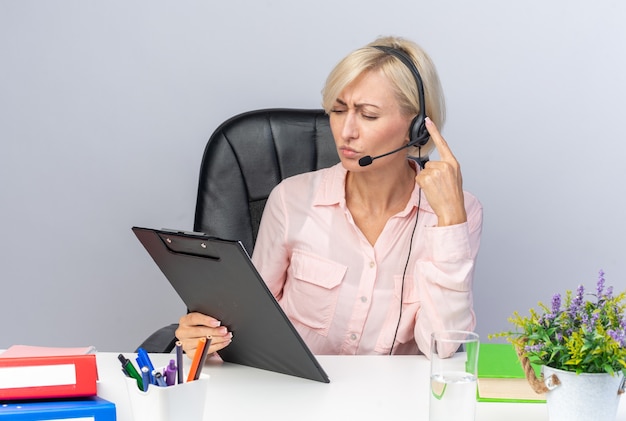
<point>246,157</point>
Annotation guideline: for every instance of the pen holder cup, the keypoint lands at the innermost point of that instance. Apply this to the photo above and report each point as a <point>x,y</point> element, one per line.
<point>183,401</point>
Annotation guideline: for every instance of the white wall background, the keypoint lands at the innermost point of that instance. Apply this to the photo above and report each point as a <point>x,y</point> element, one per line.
<point>105,107</point>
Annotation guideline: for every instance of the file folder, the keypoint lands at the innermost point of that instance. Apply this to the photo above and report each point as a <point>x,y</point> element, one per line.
<point>60,376</point>
<point>93,408</point>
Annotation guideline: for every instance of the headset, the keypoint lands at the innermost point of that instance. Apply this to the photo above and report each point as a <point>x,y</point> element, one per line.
<point>418,134</point>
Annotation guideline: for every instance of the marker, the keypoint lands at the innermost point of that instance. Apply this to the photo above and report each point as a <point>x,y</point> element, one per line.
<point>170,373</point>
<point>145,376</point>
<point>179,361</point>
<point>130,370</point>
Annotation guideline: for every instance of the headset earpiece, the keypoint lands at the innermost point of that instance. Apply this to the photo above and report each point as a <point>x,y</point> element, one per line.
<point>418,133</point>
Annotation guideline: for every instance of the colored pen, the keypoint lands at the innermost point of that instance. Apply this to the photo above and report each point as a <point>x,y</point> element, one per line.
<point>158,378</point>
<point>141,363</point>
<point>195,363</point>
<point>129,369</point>
<point>170,373</point>
<point>145,376</point>
<point>144,360</point>
<point>179,361</point>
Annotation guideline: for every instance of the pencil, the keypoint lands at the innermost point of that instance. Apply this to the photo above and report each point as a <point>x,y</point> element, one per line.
<point>179,361</point>
<point>203,357</point>
<point>197,357</point>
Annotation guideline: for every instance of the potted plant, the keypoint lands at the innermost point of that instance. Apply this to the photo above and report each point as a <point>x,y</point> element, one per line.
<point>580,344</point>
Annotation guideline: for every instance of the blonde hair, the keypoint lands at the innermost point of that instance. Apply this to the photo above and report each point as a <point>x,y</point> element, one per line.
<point>368,59</point>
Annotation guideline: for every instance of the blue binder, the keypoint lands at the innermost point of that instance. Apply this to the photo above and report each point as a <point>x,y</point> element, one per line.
<point>58,409</point>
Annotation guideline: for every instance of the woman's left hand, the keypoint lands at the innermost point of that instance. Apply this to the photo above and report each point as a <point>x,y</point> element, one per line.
<point>442,183</point>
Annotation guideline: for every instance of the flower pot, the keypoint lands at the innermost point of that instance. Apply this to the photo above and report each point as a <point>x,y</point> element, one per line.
<point>584,396</point>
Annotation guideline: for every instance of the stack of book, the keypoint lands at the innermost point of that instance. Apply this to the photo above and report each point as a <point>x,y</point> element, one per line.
<point>42,383</point>
<point>501,377</point>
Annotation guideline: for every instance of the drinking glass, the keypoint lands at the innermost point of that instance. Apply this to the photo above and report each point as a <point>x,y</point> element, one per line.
<point>453,371</point>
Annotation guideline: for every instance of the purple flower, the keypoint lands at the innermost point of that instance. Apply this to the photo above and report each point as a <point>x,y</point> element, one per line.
<point>585,319</point>
<point>577,302</point>
<point>556,303</point>
<point>580,292</point>
<point>546,319</point>
<point>533,348</point>
<point>600,286</point>
<point>618,336</point>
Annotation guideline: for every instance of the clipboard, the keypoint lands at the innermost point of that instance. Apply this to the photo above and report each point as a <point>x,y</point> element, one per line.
<point>216,277</point>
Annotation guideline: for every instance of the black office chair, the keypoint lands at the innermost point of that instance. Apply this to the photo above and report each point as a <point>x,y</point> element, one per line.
<point>243,160</point>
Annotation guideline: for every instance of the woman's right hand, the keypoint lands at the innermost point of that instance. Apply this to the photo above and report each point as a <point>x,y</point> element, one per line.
<point>193,326</point>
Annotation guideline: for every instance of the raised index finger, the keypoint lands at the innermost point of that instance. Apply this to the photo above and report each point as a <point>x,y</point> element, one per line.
<point>440,143</point>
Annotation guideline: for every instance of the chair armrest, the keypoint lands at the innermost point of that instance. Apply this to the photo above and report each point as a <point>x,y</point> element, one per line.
<point>163,340</point>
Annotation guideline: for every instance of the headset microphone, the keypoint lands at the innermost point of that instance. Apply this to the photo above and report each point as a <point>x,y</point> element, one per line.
<point>418,134</point>
<point>367,159</point>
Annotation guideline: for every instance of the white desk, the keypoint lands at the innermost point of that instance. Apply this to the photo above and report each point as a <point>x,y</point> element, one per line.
<point>362,387</point>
